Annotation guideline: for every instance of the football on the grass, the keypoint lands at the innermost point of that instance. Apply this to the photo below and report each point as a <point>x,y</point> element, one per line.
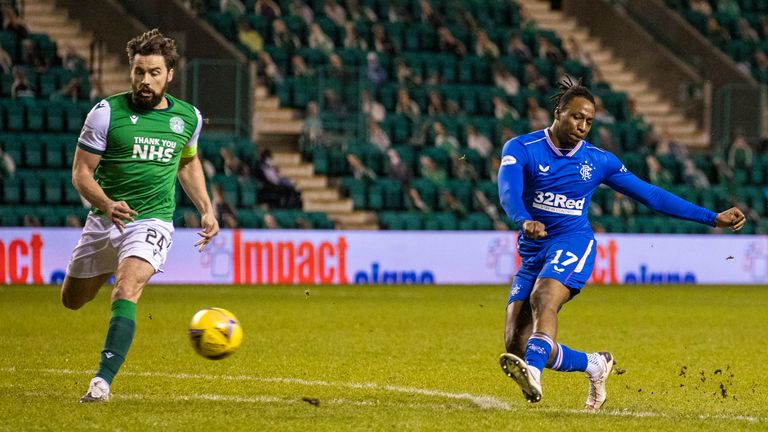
<point>215,333</point>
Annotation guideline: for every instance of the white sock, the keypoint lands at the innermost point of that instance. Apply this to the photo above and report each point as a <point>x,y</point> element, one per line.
<point>535,373</point>
<point>594,367</point>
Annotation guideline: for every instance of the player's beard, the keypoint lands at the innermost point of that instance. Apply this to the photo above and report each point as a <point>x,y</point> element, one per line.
<point>147,103</point>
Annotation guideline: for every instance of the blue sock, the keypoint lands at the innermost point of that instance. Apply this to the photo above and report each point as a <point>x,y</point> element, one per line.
<point>538,349</point>
<point>569,360</point>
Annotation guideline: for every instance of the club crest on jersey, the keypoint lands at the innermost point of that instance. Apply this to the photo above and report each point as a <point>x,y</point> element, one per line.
<point>586,171</point>
<point>177,124</point>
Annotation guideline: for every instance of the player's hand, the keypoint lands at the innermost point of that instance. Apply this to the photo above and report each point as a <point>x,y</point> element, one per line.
<point>119,212</point>
<point>534,230</point>
<point>210,229</point>
<point>732,218</point>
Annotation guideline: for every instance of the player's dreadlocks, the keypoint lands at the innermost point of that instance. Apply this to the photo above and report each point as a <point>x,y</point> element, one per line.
<point>153,43</point>
<point>568,88</point>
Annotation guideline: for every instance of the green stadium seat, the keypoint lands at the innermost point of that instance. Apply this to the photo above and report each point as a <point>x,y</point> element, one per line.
<point>11,190</point>
<point>53,187</point>
<point>249,193</point>
<point>32,188</point>
<point>33,153</point>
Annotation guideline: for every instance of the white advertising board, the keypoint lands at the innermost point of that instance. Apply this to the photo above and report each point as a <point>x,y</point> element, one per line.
<point>40,255</point>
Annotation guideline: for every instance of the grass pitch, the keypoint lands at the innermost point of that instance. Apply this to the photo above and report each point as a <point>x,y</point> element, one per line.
<point>385,358</point>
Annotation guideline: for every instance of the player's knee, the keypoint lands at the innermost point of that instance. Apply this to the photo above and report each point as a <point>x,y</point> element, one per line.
<point>541,301</point>
<point>128,289</point>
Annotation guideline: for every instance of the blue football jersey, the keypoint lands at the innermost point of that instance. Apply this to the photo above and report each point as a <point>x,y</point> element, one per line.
<point>538,181</point>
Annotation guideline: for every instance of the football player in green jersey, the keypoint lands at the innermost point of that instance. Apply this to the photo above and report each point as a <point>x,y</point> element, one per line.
<point>132,147</point>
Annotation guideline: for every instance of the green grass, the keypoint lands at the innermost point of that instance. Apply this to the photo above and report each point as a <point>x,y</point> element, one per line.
<point>385,358</point>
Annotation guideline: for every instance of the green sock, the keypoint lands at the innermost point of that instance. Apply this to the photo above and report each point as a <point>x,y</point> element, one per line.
<point>119,338</point>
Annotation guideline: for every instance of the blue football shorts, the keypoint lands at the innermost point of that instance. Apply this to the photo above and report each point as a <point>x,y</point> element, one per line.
<point>569,260</point>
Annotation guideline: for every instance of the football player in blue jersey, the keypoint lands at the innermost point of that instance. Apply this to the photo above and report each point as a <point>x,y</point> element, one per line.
<point>546,180</point>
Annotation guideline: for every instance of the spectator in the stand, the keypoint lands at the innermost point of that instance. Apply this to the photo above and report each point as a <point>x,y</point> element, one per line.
<point>507,133</point>
<point>191,220</point>
<point>233,8</point>
<point>303,223</point>
<point>429,15</point>
<point>32,56</point>
<point>449,44</point>
<point>13,22</point>
<point>233,166</point>
<point>602,115</point>
<point>495,164</point>
<point>358,168</point>
<point>352,40</point>
<point>489,208</point>
<point>505,80</point>
<point>406,76</point>
<point>284,38</point>
<point>299,67</point>
<point>759,68</point>
<point>338,71</point>
<point>21,87</point>
<point>6,62</point>
<point>622,206</point>
<point>396,12</point>
<point>445,141</point>
<point>333,102</point>
<point>31,220</point>
<point>270,222</point>
<point>360,13</point>
<point>432,172</point>
<point>534,80</point>
<point>72,221</point>
<point>730,8</point>
<point>484,46</point>
<point>478,142</point>
<point>716,33</point>
<point>278,189</point>
<point>549,51</point>
<point>270,70</point>
<point>225,212</point>
<point>319,40</point>
<point>519,50</point>
<point>312,131</point>
<point>657,174</point>
<point>267,8</point>
<point>606,139</point>
<point>97,87</point>
<point>7,165</point>
<point>71,60</point>
<point>382,43</point>
<point>576,52</point>
<point>249,37</point>
<point>449,202</point>
<point>434,103</point>
<point>335,12</point>
<point>702,6</point>
<point>401,172</point>
<point>740,153</point>
<point>746,32</point>
<point>375,71</point>
<point>70,90</point>
<point>694,176</point>
<point>504,111</point>
<point>377,136</point>
<point>406,105</point>
<point>300,9</point>
<point>537,115</point>
<point>372,108</point>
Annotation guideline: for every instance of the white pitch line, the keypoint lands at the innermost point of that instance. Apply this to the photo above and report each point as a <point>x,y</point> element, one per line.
<point>481,401</point>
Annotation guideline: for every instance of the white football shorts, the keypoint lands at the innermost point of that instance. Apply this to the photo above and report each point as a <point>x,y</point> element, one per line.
<point>102,247</point>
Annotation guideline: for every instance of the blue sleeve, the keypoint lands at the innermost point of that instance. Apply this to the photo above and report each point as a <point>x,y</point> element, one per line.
<point>656,198</point>
<point>513,160</point>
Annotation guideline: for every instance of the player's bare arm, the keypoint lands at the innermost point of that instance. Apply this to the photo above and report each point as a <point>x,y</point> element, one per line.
<point>732,218</point>
<point>534,229</point>
<point>192,180</point>
<point>82,178</point>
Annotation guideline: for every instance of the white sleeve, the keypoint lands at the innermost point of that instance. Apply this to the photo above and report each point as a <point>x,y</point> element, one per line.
<point>195,136</point>
<point>93,137</point>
